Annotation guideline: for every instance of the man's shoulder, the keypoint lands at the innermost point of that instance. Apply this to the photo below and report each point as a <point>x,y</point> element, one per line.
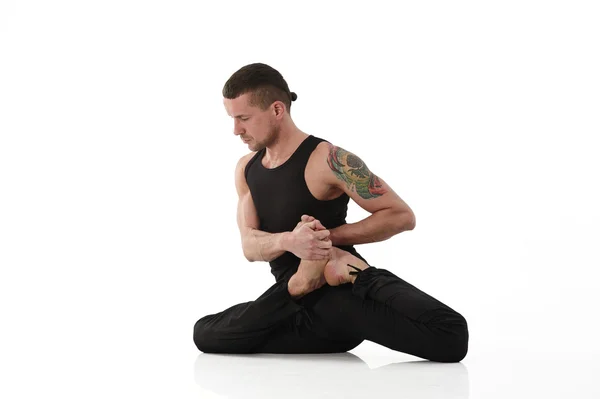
<point>240,179</point>
<point>246,158</point>
<point>323,150</point>
<point>323,147</point>
<point>243,161</point>
<point>319,158</point>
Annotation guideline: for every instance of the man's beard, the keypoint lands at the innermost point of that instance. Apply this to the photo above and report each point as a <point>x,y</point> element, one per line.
<point>271,139</point>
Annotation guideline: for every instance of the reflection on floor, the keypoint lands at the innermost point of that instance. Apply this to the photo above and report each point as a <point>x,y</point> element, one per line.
<point>330,376</point>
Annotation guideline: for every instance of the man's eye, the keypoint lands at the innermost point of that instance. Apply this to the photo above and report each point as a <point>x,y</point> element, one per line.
<point>245,119</point>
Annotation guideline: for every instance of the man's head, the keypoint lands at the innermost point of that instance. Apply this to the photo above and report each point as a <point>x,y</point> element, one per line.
<point>258,98</point>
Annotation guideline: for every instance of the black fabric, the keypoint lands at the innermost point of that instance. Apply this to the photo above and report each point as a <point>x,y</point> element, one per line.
<point>379,307</point>
<point>356,270</point>
<point>281,197</point>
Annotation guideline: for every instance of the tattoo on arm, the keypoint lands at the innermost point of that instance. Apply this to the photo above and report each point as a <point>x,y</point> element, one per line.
<point>354,172</point>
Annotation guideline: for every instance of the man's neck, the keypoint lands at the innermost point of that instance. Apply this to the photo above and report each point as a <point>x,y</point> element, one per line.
<point>284,147</point>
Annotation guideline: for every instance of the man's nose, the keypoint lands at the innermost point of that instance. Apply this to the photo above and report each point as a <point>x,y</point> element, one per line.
<point>237,129</point>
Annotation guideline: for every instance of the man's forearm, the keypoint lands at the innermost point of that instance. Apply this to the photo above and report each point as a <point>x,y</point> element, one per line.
<point>262,246</point>
<point>379,226</point>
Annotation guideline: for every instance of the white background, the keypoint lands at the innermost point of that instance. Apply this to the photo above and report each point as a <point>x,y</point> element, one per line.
<point>117,198</point>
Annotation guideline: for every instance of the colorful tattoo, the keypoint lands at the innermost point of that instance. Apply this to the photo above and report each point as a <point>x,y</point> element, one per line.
<point>352,170</point>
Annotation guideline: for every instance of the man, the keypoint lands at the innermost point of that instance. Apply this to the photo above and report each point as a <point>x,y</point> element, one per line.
<point>293,190</point>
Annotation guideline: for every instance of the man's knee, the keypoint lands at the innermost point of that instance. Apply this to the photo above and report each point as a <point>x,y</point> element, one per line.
<point>454,345</point>
<point>202,337</point>
<point>457,349</point>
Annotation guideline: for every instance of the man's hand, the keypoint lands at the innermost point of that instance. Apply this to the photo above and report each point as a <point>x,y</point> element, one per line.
<point>306,219</point>
<point>309,240</point>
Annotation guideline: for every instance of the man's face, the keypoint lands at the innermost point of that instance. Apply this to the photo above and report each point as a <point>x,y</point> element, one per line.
<point>256,127</point>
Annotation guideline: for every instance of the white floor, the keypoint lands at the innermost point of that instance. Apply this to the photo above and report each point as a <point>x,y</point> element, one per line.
<point>363,374</point>
<point>126,369</point>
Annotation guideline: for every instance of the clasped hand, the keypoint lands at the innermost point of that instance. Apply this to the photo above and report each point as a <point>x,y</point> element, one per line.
<point>310,239</point>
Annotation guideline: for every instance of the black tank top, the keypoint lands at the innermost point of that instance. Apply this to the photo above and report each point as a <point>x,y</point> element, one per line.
<point>281,197</point>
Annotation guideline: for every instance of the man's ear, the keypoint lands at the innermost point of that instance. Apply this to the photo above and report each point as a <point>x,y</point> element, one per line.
<point>279,109</point>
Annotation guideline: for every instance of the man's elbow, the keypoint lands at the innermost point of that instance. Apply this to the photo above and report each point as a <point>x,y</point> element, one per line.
<point>413,221</point>
<point>248,257</point>
<point>407,221</point>
<point>246,251</point>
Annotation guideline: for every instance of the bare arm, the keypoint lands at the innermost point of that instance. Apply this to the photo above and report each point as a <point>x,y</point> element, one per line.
<point>379,226</point>
<point>390,215</point>
<point>264,246</point>
<point>257,245</point>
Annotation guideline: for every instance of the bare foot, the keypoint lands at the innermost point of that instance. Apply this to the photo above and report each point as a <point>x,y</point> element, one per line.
<point>308,277</point>
<point>337,270</point>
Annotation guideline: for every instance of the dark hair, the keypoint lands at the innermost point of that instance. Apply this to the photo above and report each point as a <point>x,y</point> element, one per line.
<point>264,82</point>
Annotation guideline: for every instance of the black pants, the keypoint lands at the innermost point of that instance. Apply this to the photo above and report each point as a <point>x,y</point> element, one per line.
<point>379,307</point>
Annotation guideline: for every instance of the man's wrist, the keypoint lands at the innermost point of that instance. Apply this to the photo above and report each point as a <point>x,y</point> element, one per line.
<point>285,241</point>
<point>333,237</point>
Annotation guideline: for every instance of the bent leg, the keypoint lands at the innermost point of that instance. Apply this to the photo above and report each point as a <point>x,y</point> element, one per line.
<point>276,322</point>
<point>381,307</point>
<point>244,327</point>
<point>301,336</point>
<point>428,327</point>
